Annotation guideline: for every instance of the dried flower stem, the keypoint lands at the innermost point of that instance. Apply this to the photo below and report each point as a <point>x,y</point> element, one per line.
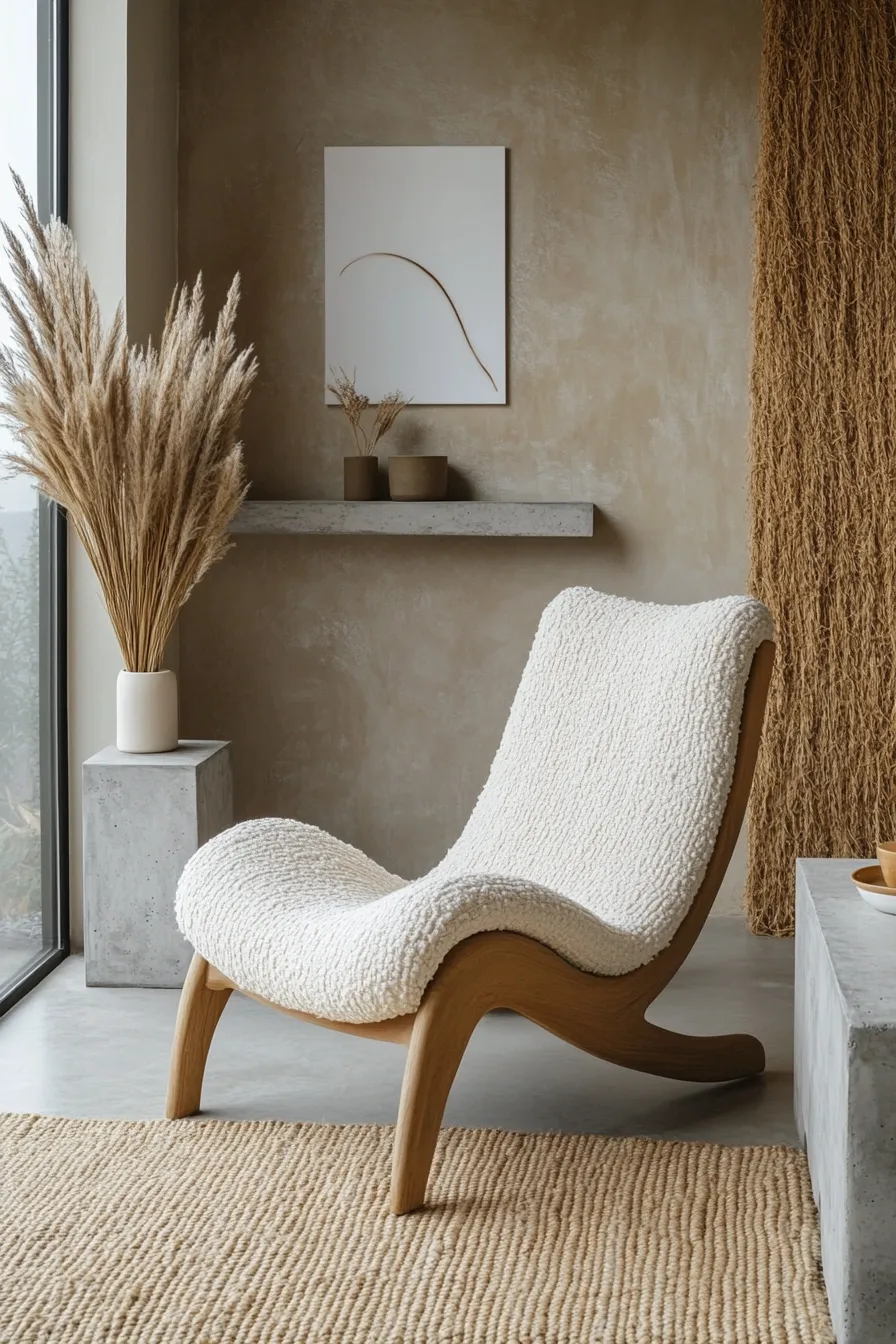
<point>354,403</point>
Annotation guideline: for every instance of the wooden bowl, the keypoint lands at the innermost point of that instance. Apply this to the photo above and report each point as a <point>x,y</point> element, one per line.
<point>870,886</point>
<point>886,857</point>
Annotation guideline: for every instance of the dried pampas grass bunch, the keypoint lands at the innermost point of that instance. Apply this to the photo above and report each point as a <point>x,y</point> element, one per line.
<point>139,445</point>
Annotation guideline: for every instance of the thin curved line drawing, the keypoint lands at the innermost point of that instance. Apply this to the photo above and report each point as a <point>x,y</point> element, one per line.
<point>435,279</point>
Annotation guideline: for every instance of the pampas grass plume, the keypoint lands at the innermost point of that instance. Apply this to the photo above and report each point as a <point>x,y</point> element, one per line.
<point>139,445</point>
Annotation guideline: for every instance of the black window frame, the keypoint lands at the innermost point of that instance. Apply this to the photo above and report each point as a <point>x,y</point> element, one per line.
<point>52,199</point>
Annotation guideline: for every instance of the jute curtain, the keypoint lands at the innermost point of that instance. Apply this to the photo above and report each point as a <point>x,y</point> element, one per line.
<point>823,479</point>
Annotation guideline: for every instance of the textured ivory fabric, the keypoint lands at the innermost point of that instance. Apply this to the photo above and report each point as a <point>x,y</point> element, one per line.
<point>215,1233</point>
<point>592,833</point>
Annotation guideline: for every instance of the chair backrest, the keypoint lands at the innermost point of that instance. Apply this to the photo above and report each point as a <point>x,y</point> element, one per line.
<point>616,762</point>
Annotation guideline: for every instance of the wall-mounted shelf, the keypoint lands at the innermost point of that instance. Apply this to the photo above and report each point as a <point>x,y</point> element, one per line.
<point>451,518</point>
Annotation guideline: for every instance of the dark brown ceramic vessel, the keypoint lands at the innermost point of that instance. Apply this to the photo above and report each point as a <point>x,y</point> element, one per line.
<point>360,477</point>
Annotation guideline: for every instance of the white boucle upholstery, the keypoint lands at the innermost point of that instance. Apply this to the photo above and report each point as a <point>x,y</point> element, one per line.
<point>592,833</point>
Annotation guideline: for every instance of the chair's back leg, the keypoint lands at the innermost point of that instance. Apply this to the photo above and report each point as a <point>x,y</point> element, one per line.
<point>644,1046</point>
<point>197,1016</point>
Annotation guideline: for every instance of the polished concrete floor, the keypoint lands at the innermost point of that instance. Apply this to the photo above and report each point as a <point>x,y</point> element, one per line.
<point>69,1050</point>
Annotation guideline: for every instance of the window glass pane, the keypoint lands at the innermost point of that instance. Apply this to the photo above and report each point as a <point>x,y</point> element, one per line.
<point>22,933</point>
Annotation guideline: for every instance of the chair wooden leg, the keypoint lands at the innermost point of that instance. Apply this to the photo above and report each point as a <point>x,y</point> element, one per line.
<point>693,1059</point>
<point>441,1032</point>
<point>197,1016</point>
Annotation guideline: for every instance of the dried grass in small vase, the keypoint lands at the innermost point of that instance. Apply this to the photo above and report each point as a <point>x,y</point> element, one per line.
<point>361,472</point>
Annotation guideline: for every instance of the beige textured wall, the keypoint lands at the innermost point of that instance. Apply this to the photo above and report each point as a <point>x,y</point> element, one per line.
<point>365,682</point>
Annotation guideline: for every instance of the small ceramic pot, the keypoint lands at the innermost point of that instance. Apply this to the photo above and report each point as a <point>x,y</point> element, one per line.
<point>146,704</point>
<point>360,477</point>
<point>418,478</point>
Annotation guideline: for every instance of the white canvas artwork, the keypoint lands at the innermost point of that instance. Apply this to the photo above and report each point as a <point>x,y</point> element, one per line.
<point>415,271</point>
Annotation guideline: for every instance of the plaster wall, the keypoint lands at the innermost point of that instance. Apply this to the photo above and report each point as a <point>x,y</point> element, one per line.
<point>365,681</point>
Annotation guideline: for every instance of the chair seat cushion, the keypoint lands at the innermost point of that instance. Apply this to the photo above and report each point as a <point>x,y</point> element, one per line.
<point>304,920</point>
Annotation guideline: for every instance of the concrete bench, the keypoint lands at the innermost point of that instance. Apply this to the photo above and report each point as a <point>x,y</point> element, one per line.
<point>845,1078</point>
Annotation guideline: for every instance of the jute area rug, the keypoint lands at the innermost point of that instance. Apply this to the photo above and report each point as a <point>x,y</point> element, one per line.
<point>192,1232</point>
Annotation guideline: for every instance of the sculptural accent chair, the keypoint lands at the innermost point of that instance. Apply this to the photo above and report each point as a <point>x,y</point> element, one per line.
<point>576,890</point>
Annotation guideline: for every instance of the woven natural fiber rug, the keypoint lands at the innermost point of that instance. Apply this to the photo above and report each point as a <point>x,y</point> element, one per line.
<point>193,1232</point>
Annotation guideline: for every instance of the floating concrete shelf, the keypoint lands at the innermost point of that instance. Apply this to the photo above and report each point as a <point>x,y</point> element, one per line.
<point>451,518</point>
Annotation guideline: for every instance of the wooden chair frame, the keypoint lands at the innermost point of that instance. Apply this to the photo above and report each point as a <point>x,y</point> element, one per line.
<point>603,1015</point>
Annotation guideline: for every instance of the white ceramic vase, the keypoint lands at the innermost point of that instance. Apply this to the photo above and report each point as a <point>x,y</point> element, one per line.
<point>146,705</point>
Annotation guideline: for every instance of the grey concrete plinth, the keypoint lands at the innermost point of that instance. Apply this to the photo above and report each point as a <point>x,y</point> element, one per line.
<point>143,818</point>
<point>845,1076</point>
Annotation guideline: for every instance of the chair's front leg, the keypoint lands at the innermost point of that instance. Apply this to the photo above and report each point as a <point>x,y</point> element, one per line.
<point>197,1016</point>
<point>442,1028</point>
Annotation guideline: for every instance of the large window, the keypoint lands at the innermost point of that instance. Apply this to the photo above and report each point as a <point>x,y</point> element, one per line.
<point>33,837</point>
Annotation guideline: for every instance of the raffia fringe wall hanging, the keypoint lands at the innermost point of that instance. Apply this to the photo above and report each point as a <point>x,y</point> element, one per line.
<point>823,479</point>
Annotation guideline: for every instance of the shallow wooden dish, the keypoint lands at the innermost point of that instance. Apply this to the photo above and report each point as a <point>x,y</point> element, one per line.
<point>886,857</point>
<point>869,884</point>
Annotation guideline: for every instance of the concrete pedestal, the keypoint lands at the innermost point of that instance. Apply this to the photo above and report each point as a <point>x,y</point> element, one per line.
<point>845,1076</point>
<point>143,818</point>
